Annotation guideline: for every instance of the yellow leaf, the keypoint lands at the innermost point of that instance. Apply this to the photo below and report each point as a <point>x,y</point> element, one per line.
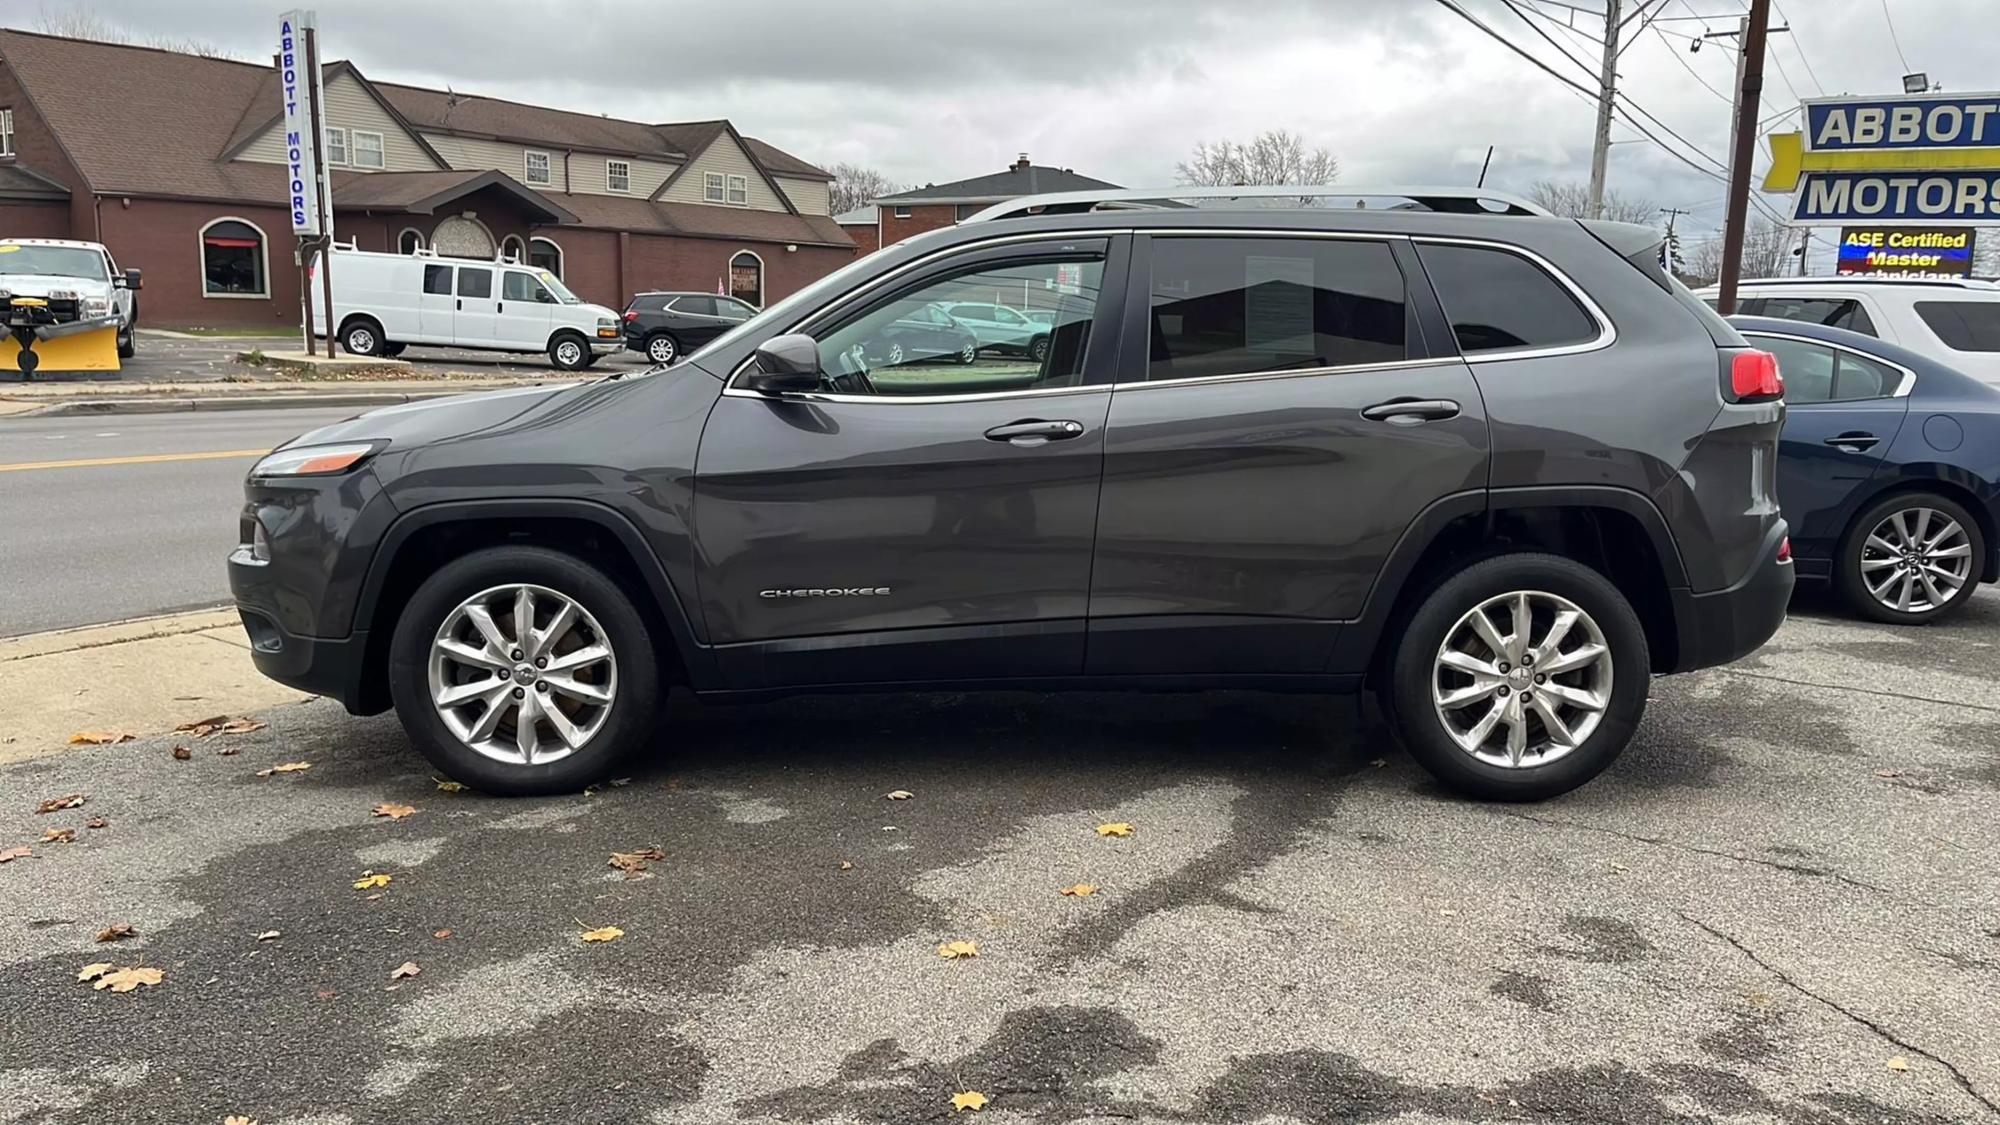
<point>603,933</point>
<point>899,794</point>
<point>8,855</point>
<point>1898,1063</point>
<point>98,738</point>
<point>1081,890</point>
<point>58,835</point>
<point>370,882</point>
<point>125,980</point>
<point>968,1099</point>
<point>845,864</point>
<point>955,950</point>
<point>92,972</point>
<point>1117,828</point>
<point>448,786</point>
<point>288,767</point>
<point>394,812</point>
<point>404,971</point>
<point>58,804</point>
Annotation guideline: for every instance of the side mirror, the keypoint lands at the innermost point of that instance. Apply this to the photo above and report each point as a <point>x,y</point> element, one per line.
<point>785,364</point>
<point>132,279</point>
<point>545,297</point>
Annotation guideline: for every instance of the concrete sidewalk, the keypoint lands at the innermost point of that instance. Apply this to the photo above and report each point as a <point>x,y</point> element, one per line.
<point>265,394</point>
<point>138,677</point>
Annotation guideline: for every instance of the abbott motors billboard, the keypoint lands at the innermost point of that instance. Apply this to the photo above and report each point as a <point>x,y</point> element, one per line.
<point>1922,161</point>
<point>1906,251</point>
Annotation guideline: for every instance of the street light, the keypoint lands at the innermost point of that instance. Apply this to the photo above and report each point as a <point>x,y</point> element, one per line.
<point>1916,83</point>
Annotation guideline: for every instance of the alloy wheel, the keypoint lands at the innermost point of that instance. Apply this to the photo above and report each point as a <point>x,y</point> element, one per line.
<point>522,674</point>
<point>895,354</point>
<point>1522,679</point>
<point>660,349</point>
<point>1916,560</point>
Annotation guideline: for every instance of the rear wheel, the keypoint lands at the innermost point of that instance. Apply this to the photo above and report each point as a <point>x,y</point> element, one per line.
<point>520,670</point>
<point>1039,349</point>
<point>569,352</point>
<point>361,336</point>
<point>1520,677</point>
<point>1910,558</point>
<point>662,348</point>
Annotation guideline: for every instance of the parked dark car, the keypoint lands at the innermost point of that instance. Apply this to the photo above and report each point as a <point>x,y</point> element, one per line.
<point>921,333</point>
<point>1498,468</point>
<point>1889,470</point>
<point>668,326</point>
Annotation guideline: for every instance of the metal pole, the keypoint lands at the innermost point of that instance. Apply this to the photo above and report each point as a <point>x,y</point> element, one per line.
<point>324,197</point>
<point>1484,165</point>
<point>1607,88</point>
<point>1745,144</point>
<point>1805,249</point>
<point>302,255</point>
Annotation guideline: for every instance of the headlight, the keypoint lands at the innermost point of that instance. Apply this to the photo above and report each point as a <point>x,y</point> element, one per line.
<point>315,460</point>
<point>96,306</point>
<point>64,295</point>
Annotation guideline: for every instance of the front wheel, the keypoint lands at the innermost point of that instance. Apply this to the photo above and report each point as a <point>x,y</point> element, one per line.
<point>361,337</point>
<point>522,671</point>
<point>1039,349</point>
<point>1520,677</point>
<point>128,343</point>
<point>569,353</point>
<point>1910,558</point>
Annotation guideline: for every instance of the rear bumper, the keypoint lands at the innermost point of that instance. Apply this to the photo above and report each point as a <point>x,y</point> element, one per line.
<point>1716,628</point>
<point>328,666</point>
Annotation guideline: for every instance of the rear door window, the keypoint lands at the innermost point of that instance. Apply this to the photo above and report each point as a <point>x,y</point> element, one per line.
<point>475,282</point>
<point>1500,301</point>
<point>437,280</point>
<point>1235,306</point>
<point>695,306</point>
<point>1964,326</point>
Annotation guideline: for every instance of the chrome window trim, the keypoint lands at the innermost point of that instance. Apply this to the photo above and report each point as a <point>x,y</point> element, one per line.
<point>1288,373</point>
<point>1607,331</point>
<point>982,396</point>
<point>1902,390</point>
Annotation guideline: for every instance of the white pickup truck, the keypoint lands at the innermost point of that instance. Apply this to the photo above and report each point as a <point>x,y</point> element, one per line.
<point>69,283</point>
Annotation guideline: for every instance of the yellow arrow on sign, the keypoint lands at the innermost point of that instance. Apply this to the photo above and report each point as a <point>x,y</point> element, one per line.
<point>1789,159</point>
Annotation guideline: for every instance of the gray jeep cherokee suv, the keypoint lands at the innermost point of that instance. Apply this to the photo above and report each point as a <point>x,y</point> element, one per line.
<point>1500,468</point>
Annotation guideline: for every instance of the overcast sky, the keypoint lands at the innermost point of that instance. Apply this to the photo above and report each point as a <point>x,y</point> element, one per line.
<point>1402,91</point>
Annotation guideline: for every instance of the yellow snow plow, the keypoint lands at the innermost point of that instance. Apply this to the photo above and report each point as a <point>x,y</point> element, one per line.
<point>34,340</point>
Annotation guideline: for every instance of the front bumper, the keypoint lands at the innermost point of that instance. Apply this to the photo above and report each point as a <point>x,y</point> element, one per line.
<point>599,345</point>
<point>328,666</point>
<point>1716,628</point>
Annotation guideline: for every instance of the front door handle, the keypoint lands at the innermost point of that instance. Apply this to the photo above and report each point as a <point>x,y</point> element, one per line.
<point>461,304</point>
<point>1853,441</point>
<point>499,306</point>
<point>1411,411</point>
<point>1035,431</point>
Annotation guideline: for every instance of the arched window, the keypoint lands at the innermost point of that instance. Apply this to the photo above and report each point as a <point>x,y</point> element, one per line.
<point>410,241</point>
<point>512,247</point>
<point>460,237</point>
<point>544,254</point>
<point>233,261</point>
<point>746,278</point>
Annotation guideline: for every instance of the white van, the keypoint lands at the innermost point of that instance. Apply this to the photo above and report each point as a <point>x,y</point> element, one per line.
<point>384,302</point>
<point>1956,322</point>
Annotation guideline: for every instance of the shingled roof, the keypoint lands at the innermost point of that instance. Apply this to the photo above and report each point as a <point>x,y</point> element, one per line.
<point>1015,182</point>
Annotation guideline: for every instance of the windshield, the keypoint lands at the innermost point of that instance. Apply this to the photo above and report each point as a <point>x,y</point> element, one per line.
<point>805,298</point>
<point>59,261</point>
<point>556,286</point>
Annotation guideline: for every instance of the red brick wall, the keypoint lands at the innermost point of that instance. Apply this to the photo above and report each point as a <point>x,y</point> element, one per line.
<point>163,238</point>
<point>866,238</point>
<point>34,220</point>
<point>592,265</point>
<point>923,217</point>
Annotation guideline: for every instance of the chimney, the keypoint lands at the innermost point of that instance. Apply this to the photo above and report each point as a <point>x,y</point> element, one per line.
<point>1021,165</point>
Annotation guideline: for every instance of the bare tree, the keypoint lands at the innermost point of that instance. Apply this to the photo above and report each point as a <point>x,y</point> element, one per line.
<point>85,23</point>
<point>1571,200</point>
<point>1986,253</point>
<point>1768,251</point>
<point>1277,156</point>
<point>854,186</point>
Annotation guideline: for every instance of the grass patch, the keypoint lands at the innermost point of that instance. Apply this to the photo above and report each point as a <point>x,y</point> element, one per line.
<point>274,330</point>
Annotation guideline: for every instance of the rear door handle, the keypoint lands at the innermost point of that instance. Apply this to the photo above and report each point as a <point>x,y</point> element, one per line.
<point>1035,431</point>
<point>1853,441</point>
<point>1411,411</point>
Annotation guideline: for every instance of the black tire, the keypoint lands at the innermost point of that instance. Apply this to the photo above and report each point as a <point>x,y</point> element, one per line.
<point>128,343</point>
<point>569,351</point>
<point>661,347</point>
<point>627,727</point>
<point>968,353</point>
<point>1038,350</point>
<point>1847,574</point>
<point>393,348</point>
<point>360,335</point>
<point>1413,669</point>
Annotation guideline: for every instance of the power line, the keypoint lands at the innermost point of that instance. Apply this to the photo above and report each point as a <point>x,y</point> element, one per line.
<point>1891,21</point>
<point>1692,72</point>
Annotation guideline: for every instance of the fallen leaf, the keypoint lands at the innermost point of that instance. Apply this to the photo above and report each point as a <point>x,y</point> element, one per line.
<point>125,980</point>
<point>632,863</point>
<point>370,882</point>
<point>117,931</point>
<point>1118,828</point>
<point>442,934</point>
<point>1888,773</point>
<point>448,786</point>
<point>1758,999</point>
<point>1449,913</point>
<point>96,822</point>
<point>288,767</point>
<point>238,1119</point>
<point>182,753</point>
<point>225,751</point>
<point>242,726</point>
<point>58,804</point>
<point>270,935</point>
<point>202,728</point>
<point>1897,1062</point>
<point>620,782</point>
<point>394,812</point>
<point>1080,890</point>
<point>58,835</point>
<point>99,738</point>
<point>954,950</point>
<point>603,933</point>
<point>968,1099</point>
<point>93,971</point>
<point>899,794</point>
<point>324,994</point>
<point>9,855</point>
<point>1618,867</point>
<point>404,971</point>
<point>845,865</point>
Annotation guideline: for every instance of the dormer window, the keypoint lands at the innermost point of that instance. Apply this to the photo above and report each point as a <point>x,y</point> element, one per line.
<point>536,170</point>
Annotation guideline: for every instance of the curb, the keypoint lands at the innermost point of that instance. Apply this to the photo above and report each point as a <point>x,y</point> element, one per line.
<point>232,402</point>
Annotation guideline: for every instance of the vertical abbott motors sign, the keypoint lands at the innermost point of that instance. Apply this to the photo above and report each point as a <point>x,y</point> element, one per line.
<point>298,86</point>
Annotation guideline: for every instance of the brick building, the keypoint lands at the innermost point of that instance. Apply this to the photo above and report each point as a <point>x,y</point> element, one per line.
<point>933,206</point>
<point>175,162</point>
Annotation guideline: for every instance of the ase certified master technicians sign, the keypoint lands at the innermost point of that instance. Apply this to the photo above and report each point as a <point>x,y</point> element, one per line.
<point>1906,251</point>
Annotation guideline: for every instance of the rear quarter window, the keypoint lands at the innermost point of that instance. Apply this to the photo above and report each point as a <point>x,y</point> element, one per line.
<point>1498,300</point>
<point>1963,326</point>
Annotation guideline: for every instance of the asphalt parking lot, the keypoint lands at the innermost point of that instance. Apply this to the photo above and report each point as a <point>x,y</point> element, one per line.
<point>1782,905</point>
<point>196,359</point>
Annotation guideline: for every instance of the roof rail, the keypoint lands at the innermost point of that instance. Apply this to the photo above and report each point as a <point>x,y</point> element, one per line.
<point>1459,200</point>
<point>1871,279</point>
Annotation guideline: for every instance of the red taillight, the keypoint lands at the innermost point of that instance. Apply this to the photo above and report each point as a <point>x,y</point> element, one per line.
<point>1754,377</point>
<point>1785,549</point>
<point>631,315</point>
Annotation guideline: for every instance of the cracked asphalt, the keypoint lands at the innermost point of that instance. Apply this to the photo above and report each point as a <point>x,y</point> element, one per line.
<point>1789,883</point>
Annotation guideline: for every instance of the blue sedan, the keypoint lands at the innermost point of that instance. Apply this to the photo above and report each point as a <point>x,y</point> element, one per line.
<point>1888,470</point>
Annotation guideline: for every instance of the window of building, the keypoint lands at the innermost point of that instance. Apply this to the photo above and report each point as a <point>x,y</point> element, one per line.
<point>910,344</point>
<point>511,247</point>
<point>544,254</point>
<point>232,260</point>
<point>6,132</point>
<point>1235,306</point>
<point>902,212</point>
<point>739,191</point>
<point>474,282</point>
<point>746,278</point>
<point>617,175</point>
<point>368,150</point>
<point>437,280</point>
<point>1813,310</point>
<point>1819,373</point>
<point>518,286</point>
<point>1964,326</point>
<point>536,167</point>
<point>336,145</point>
<point>711,187</point>
<point>410,241</point>
<point>1498,300</point>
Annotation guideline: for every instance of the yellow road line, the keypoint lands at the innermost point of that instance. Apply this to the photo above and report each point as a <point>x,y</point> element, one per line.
<point>141,459</point>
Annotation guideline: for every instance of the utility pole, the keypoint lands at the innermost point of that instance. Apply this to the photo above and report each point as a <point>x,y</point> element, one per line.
<point>1607,90</point>
<point>1805,249</point>
<point>1744,145</point>
<point>1673,248</point>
